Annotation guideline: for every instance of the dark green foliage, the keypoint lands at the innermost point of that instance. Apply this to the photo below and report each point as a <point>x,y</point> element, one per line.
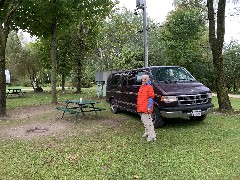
<point>182,35</point>
<point>232,66</point>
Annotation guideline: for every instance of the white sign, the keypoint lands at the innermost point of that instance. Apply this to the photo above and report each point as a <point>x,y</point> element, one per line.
<point>7,74</point>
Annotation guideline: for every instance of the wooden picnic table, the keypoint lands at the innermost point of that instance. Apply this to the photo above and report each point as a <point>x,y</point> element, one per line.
<point>80,107</point>
<point>15,91</point>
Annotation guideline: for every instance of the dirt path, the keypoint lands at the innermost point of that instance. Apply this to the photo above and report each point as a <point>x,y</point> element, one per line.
<point>30,111</point>
<point>31,122</point>
<point>27,123</point>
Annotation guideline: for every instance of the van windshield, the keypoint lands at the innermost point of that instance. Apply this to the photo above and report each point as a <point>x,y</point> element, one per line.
<point>171,74</point>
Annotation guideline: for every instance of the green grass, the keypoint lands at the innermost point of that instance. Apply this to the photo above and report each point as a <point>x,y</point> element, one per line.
<point>96,149</point>
<point>31,98</point>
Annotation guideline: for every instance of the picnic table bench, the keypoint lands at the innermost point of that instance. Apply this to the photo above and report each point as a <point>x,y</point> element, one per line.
<point>77,107</point>
<point>15,91</point>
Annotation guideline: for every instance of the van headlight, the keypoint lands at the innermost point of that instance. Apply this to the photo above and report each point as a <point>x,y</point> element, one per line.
<point>169,99</point>
<point>209,95</point>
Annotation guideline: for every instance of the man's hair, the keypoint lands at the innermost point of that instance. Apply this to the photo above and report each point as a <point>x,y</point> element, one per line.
<point>145,76</point>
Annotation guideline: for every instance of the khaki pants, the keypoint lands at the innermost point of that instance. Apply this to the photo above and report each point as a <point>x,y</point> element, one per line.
<point>148,125</point>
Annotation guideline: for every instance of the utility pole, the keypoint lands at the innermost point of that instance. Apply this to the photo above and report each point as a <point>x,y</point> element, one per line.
<point>141,4</point>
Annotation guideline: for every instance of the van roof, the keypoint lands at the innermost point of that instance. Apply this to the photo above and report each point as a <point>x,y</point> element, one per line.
<point>121,72</point>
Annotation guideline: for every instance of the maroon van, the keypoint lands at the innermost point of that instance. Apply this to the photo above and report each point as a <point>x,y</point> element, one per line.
<point>177,93</point>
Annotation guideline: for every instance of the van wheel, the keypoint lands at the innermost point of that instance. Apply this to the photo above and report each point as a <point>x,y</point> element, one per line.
<point>158,121</point>
<point>114,107</point>
<point>198,118</point>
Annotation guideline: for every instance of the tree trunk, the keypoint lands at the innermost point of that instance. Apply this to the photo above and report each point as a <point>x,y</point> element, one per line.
<point>54,59</point>
<point>2,73</point>
<point>32,81</point>
<point>222,92</point>
<point>4,31</point>
<point>234,87</point>
<point>63,81</point>
<point>216,39</point>
<point>79,76</point>
<point>80,58</point>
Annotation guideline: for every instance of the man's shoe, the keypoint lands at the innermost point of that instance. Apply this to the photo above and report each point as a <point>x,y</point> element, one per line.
<point>151,139</point>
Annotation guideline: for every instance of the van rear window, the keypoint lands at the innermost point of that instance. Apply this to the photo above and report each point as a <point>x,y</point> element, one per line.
<point>114,81</point>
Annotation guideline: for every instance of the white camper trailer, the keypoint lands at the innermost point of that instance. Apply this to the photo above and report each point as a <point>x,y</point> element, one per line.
<point>7,74</point>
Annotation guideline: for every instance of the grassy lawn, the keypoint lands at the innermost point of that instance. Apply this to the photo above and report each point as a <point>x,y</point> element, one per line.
<point>112,147</point>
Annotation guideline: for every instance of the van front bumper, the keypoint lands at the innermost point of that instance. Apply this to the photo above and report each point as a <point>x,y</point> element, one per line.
<point>185,111</point>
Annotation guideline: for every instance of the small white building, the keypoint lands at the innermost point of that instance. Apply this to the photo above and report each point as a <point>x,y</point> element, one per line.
<point>7,74</point>
<point>101,79</point>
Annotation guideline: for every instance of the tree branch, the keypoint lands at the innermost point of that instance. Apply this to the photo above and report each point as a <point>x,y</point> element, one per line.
<point>2,3</point>
<point>11,9</point>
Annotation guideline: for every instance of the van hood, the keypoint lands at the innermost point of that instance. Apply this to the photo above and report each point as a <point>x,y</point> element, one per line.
<point>183,88</point>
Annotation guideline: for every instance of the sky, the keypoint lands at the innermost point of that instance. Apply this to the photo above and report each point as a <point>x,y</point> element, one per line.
<point>156,9</point>
<point>159,9</point>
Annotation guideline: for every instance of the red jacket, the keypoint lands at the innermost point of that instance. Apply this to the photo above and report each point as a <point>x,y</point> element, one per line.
<point>145,92</point>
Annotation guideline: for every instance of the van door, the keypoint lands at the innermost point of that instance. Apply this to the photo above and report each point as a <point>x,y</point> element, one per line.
<point>122,93</point>
<point>136,86</point>
<point>112,87</point>
<point>129,92</point>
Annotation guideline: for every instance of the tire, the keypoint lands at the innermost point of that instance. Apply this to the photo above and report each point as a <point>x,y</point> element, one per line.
<point>158,121</point>
<point>114,107</point>
<point>198,118</point>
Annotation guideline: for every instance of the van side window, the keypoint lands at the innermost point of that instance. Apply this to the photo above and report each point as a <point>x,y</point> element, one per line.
<point>131,79</point>
<point>114,81</point>
<point>139,77</point>
<point>124,81</point>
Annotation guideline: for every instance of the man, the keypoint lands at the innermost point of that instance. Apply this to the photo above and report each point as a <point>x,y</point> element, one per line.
<point>145,107</point>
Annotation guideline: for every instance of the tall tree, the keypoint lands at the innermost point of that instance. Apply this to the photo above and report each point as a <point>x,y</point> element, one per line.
<point>13,56</point>
<point>22,61</point>
<point>7,8</point>
<point>121,41</point>
<point>216,40</point>
<point>88,32</point>
<point>182,34</point>
<point>53,35</point>
<point>232,65</point>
